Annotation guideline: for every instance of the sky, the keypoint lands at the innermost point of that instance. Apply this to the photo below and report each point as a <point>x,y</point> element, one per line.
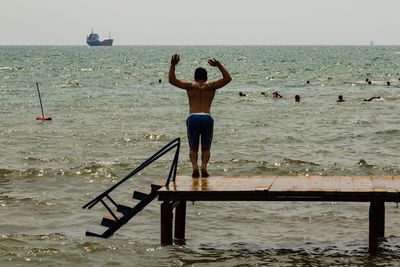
<point>202,22</point>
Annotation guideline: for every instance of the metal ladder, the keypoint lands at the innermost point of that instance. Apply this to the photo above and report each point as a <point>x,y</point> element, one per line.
<point>120,214</point>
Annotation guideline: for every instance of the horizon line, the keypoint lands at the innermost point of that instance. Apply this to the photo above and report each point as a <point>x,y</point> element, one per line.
<point>121,45</point>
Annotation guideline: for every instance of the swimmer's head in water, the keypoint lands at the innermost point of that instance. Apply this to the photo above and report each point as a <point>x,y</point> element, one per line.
<point>200,74</point>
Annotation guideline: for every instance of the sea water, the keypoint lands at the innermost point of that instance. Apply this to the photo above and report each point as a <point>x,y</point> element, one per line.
<point>112,108</point>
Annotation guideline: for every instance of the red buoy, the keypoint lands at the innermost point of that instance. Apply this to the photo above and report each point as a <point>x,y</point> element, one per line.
<point>43,118</point>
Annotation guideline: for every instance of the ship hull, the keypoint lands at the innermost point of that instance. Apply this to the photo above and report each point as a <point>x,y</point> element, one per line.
<point>107,42</point>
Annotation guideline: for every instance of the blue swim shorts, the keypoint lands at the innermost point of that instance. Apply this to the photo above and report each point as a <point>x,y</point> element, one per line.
<point>200,124</point>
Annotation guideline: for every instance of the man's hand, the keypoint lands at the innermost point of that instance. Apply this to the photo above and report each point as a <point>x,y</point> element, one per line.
<point>175,59</point>
<point>213,62</point>
<point>226,77</point>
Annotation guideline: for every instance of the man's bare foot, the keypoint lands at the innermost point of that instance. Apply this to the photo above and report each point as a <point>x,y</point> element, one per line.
<point>204,174</point>
<point>195,174</point>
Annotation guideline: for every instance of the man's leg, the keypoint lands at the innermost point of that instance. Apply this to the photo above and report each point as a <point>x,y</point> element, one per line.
<point>205,157</point>
<point>193,155</point>
<point>193,138</point>
<point>206,139</point>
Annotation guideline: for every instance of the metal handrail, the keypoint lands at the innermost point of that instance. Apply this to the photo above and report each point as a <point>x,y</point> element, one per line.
<point>172,173</point>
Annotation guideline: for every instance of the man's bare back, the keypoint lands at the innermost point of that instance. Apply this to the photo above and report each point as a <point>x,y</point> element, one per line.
<point>200,93</point>
<point>199,123</point>
<point>200,97</point>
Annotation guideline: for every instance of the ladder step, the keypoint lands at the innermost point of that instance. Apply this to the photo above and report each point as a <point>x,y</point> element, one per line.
<point>139,195</point>
<point>88,233</point>
<point>128,211</point>
<point>123,209</point>
<point>108,221</point>
<point>156,186</point>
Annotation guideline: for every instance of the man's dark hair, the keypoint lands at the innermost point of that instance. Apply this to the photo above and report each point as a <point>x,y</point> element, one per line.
<point>200,74</point>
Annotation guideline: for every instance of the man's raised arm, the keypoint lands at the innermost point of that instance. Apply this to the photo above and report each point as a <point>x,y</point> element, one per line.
<point>172,77</point>
<point>226,77</point>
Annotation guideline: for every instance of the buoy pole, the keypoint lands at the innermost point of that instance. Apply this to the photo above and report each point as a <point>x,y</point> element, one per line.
<point>40,99</point>
<point>43,118</point>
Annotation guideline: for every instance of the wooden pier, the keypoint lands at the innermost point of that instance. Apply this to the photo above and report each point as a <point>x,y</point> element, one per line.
<point>376,189</point>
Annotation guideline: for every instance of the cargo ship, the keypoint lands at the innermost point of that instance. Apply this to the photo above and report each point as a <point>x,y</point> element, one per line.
<point>93,39</point>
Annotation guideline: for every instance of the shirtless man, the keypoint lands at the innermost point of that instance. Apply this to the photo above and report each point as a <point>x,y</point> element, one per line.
<point>340,99</point>
<point>199,123</point>
<point>276,95</point>
<point>372,98</point>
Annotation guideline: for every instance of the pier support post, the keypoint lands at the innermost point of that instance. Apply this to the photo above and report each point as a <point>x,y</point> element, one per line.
<point>381,219</point>
<point>180,218</point>
<point>166,223</point>
<point>376,225</point>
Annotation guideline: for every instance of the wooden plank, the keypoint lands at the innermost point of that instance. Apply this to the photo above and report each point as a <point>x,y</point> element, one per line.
<point>220,183</point>
<point>390,187</point>
<point>330,184</point>
<point>180,183</point>
<point>362,184</point>
<point>396,181</point>
<point>261,183</point>
<point>183,181</point>
<point>314,183</point>
<point>383,184</point>
<point>300,183</point>
<point>236,185</point>
<point>346,184</point>
<point>196,183</point>
<point>266,184</point>
<point>248,183</point>
<point>228,183</point>
<point>158,184</point>
<point>203,184</point>
<point>108,221</point>
<point>233,183</point>
<point>288,183</point>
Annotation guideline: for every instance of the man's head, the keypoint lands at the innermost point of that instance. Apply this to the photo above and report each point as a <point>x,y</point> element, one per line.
<point>200,74</point>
